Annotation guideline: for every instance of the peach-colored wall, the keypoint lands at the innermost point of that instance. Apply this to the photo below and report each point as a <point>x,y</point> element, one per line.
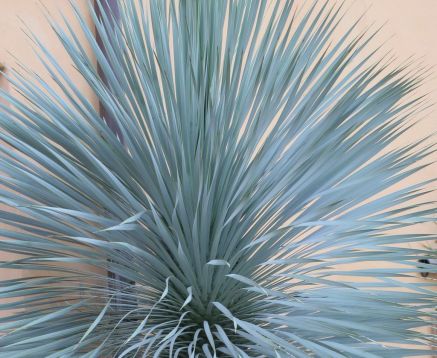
<point>410,30</point>
<point>14,43</point>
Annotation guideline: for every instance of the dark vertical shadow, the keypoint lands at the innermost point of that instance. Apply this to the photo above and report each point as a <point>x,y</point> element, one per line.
<point>110,7</point>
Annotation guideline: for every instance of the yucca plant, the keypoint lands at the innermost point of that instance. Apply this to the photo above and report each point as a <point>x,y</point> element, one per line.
<point>246,201</point>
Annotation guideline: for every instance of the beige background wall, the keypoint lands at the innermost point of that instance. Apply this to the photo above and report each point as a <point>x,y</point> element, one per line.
<point>14,43</point>
<point>411,30</point>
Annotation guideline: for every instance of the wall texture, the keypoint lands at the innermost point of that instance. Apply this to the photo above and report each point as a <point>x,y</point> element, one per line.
<point>15,45</point>
<point>16,15</point>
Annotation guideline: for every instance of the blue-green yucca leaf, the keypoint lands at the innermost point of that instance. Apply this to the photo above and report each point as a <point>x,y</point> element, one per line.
<point>248,198</point>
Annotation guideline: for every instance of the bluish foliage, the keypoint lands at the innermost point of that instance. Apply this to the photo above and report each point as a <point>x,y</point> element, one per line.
<point>250,199</point>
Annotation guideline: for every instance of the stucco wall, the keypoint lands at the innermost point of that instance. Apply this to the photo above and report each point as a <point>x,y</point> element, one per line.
<point>15,44</point>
